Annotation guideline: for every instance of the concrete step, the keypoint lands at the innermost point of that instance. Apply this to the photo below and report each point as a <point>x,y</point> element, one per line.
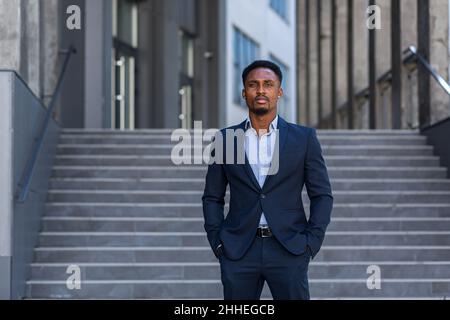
<point>196,172</point>
<point>167,139</point>
<point>133,221</point>
<point>79,224</point>
<point>176,196</point>
<point>156,131</point>
<point>212,289</point>
<point>98,209</point>
<point>204,254</point>
<point>334,161</point>
<point>165,131</point>
<point>166,239</point>
<point>356,150</point>
<point>211,271</point>
<point>198,184</point>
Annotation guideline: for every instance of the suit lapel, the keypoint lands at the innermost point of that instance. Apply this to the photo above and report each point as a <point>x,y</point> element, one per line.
<point>249,171</point>
<point>247,168</point>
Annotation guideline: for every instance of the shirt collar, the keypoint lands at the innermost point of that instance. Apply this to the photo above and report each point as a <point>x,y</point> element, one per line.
<point>273,125</point>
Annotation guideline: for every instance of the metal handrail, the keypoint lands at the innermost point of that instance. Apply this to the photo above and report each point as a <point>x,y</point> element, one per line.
<point>27,175</point>
<point>441,81</point>
<point>387,76</point>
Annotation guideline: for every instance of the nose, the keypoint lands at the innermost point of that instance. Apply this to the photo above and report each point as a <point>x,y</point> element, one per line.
<point>260,90</point>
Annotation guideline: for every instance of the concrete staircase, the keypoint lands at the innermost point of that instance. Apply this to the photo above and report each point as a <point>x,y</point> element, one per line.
<point>132,221</point>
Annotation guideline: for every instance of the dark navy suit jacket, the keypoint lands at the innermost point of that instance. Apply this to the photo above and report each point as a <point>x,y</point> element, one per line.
<point>300,163</point>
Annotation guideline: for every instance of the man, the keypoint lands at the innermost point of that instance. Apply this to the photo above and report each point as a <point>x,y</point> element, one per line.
<point>266,236</point>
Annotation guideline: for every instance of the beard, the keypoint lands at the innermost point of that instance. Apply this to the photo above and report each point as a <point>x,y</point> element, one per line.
<point>259,111</point>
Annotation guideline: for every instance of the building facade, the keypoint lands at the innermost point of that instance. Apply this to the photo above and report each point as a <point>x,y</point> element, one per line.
<point>259,30</point>
<point>354,71</point>
<point>150,63</point>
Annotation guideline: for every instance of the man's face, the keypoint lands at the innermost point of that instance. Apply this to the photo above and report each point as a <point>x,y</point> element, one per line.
<point>262,91</point>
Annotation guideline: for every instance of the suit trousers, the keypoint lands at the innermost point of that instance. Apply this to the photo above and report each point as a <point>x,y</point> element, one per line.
<point>266,260</point>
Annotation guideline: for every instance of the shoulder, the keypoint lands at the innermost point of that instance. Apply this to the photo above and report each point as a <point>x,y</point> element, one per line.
<point>301,130</point>
<point>233,128</point>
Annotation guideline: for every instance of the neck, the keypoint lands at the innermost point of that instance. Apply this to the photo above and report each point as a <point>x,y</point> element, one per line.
<point>260,123</point>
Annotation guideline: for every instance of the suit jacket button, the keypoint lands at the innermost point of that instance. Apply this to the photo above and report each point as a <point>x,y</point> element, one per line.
<point>262,196</point>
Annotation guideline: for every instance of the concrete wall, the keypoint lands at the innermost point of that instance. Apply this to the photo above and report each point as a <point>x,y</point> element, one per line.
<point>6,184</point>
<point>23,115</point>
<point>437,135</point>
<point>97,52</point>
<point>32,33</point>
<point>28,42</point>
<point>274,36</point>
<point>10,32</point>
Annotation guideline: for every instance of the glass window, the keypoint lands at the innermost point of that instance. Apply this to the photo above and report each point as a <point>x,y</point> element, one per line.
<point>280,7</point>
<point>186,85</point>
<point>187,54</point>
<point>245,52</point>
<point>125,26</point>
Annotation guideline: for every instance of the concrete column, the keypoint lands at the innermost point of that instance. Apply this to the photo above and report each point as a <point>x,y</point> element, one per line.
<point>341,65</point>
<point>360,58</point>
<point>313,107</point>
<point>409,38</point>
<point>31,41</point>
<point>326,58</point>
<point>94,84</point>
<point>396,57</point>
<point>49,47</point>
<point>383,50</point>
<point>301,60</point>
<point>439,58</point>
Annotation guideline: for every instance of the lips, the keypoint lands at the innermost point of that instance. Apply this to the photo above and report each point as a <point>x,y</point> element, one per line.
<point>261,100</point>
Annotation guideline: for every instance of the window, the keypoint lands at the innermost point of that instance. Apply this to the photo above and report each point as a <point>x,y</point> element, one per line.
<point>280,7</point>
<point>284,103</point>
<point>245,52</point>
<point>125,22</point>
<point>186,85</point>
<point>125,52</point>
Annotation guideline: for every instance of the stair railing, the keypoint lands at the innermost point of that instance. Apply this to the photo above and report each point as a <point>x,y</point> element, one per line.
<point>384,83</point>
<point>440,80</point>
<point>23,187</point>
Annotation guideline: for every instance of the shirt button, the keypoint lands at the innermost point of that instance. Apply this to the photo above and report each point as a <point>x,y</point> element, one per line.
<point>262,196</point>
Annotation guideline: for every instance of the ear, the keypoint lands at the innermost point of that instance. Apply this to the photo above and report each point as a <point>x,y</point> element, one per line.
<point>280,92</point>
<point>243,93</point>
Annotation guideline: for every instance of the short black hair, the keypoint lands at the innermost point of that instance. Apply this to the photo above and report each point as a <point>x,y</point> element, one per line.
<point>262,64</point>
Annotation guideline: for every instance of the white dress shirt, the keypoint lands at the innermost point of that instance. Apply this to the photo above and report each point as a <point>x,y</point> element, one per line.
<point>259,151</point>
